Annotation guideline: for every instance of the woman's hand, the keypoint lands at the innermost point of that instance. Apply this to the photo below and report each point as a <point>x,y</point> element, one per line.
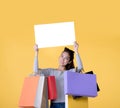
<point>36,49</point>
<point>76,45</point>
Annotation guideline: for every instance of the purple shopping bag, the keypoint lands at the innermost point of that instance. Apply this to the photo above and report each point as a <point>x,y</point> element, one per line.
<point>79,84</point>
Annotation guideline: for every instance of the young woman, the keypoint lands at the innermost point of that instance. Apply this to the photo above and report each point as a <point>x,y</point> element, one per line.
<point>65,63</point>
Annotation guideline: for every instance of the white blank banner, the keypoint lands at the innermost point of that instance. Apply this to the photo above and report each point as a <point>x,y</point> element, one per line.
<point>55,34</point>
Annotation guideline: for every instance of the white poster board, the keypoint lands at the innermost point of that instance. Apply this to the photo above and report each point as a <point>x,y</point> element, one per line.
<point>55,34</point>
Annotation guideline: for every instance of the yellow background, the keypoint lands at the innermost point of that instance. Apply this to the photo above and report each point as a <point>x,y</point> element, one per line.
<point>97,27</point>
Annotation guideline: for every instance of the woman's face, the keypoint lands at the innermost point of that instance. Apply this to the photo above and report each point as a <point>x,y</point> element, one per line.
<point>64,59</point>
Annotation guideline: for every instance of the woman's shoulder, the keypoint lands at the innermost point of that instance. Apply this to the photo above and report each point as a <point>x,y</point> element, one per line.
<point>72,70</point>
<point>51,69</point>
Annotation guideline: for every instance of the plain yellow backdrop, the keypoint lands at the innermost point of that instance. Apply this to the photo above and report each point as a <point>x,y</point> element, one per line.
<point>97,27</point>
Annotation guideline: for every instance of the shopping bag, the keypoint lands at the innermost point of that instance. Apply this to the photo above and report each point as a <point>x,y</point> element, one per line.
<point>34,93</point>
<point>76,103</point>
<point>78,84</point>
<point>52,90</point>
<point>91,72</point>
<point>88,72</point>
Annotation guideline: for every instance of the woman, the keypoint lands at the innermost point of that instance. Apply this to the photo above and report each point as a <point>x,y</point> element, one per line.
<point>65,63</point>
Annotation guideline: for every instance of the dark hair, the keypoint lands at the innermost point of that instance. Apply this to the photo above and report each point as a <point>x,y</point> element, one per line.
<point>71,53</point>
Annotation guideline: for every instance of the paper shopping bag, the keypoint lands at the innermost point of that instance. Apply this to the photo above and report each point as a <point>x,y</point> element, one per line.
<point>52,90</point>
<point>34,93</point>
<point>91,72</point>
<point>76,103</point>
<point>78,84</point>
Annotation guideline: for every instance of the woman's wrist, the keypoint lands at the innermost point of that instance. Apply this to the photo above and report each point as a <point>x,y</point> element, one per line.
<point>76,52</point>
<point>36,53</point>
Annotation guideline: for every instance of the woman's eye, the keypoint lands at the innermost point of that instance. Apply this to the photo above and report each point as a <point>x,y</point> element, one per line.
<point>67,58</point>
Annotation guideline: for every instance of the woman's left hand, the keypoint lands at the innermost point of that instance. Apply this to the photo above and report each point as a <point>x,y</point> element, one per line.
<point>76,45</point>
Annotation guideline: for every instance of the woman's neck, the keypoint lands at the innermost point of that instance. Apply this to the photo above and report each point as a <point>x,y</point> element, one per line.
<point>61,68</point>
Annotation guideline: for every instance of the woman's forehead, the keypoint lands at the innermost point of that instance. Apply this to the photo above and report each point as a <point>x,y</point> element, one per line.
<point>65,53</point>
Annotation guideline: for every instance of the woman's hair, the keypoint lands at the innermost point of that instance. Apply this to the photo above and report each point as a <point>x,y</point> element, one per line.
<point>71,53</point>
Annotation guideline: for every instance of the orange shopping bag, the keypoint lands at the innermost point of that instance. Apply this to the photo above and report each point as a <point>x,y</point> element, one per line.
<point>34,93</point>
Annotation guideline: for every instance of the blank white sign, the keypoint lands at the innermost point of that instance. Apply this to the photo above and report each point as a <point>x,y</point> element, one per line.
<point>55,34</point>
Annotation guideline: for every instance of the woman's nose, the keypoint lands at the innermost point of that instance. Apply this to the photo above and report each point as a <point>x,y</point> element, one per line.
<point>63,58</point>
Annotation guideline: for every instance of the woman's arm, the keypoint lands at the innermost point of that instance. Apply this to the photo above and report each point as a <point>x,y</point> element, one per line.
<point>78,59</point>
<point>35,66</point>
<point>36,69</point>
